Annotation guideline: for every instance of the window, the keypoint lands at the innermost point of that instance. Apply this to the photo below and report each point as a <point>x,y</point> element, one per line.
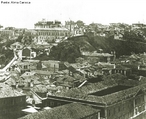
<point>51,104</point>
<point>136,110</point>
<point>25,66</point>
<point>108,112</point>
<point>58,104</point>
<point>21,99</point>
<point>119,109</point>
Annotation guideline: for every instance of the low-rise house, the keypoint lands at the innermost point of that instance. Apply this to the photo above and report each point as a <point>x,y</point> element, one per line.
<point>52,65</point>
<point>68,111</point>
<point>16,45</point>
<point>30,79</point>
<point>41,90</point>
<point>28,53</point>
<point>122,70</point>
<point>103,57</point>
<point>11,102</point>
<point>67,81</point>
<point>26,66</point>
<point>46,75</point>
<point>142,70</point>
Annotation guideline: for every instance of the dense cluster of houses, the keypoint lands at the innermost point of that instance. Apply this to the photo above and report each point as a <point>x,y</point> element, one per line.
<point>96,86</point>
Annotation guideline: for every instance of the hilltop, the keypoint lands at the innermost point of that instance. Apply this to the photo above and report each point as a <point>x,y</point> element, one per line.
<point>69,49</point>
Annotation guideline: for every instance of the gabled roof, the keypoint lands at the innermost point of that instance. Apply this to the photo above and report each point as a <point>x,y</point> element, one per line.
<point>41,72</point>
<point>6,91</point>
<point>84,93</point>
<point>17,43</point>
<point>40,88</point>
<point>68,111</point>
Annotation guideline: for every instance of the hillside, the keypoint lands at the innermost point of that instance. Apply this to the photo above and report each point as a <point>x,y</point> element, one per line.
<point>69,50</point>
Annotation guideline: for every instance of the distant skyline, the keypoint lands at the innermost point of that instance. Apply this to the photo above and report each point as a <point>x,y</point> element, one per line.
<point>97,11</point>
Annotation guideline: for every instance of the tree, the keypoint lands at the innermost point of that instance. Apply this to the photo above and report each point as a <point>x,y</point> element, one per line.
<point>93,26</point>
<point>80,23</point>
<point>1,26</point>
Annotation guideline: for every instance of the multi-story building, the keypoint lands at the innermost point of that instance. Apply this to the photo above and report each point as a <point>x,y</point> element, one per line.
<point>49,31</point>
<point>103,57</point>
<point>70,25</point>
<point>117,99</point>
<point>11,102</point>
<point>7,33</point>
<point>48,24</point>
<point>74,29</point>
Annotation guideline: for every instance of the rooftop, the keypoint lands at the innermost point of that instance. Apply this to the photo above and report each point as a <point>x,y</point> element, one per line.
<point>41,72</point>
<point>68,111</point>
<point>110,90</point>
<point>95,54</point>
<point>52,29</point>
<point>6,91</point>
<point>111,96</point>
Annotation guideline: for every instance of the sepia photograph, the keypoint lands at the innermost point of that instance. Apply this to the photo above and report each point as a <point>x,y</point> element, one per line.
<point>73,59</point>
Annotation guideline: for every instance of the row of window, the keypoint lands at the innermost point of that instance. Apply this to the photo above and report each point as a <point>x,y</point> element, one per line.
<point>46,26</point>
<point>47,38</point>
<point>53,33</point>
<point>139,109</point>
<point>12,101</point>
<point>121,108</point>
<point>139,100</point>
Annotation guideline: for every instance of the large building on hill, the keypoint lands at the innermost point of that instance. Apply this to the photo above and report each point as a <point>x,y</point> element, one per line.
<point>74,28</point>
<point>47,24</point>
<point>5,32</point>
<point>49,31</point>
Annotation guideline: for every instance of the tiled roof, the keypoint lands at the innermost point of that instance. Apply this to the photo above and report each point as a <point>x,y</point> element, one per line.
<point>68,111</point>
<point>39,88</point>
<point>79,77</point>
<point>66,78</point>
<point>41,72</point>
<point>83,92</point>
<point>6,91</point>
<point>17,43</point>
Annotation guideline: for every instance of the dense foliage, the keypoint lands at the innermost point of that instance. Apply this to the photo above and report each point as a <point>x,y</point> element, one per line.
<point>70,49</point>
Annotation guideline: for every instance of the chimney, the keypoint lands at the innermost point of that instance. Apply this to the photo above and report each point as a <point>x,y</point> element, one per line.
<point>54,68</point>
<point>17,85</point>
<point>138,67</point>
<point>31,83</point>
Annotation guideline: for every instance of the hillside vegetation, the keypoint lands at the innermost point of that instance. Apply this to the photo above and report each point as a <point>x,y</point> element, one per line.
<point>69,50</point>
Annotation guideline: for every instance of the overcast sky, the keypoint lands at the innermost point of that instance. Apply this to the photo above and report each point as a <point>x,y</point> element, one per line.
<point>98,11</point>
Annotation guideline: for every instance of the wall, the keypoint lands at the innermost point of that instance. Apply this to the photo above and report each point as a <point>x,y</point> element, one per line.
<point>121,110</point>
<point>53,103</point>
<point>10,108</point>
<point>141,116</point>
